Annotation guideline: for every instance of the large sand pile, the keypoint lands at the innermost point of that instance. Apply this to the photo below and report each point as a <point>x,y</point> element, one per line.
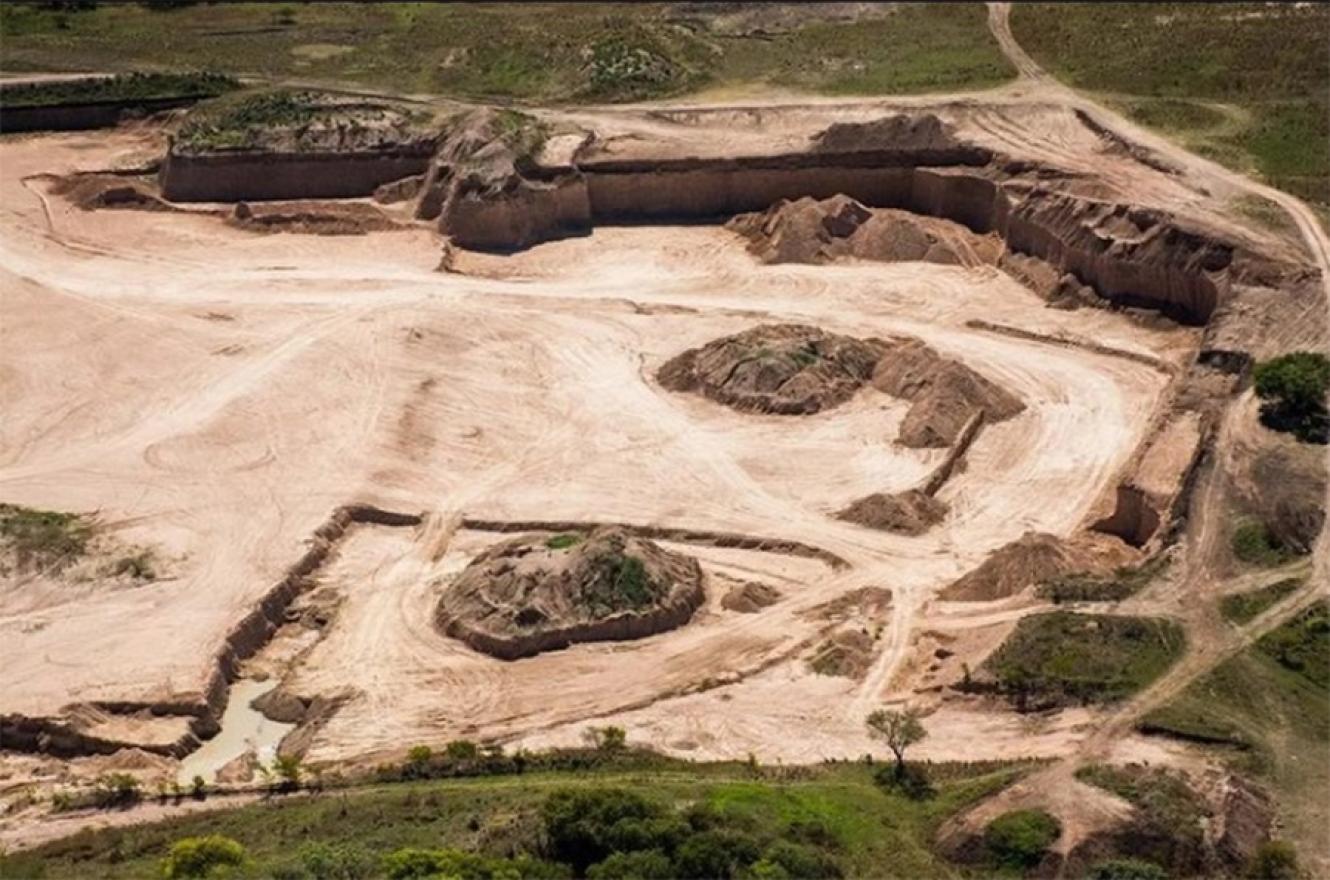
<point>534,593</point>
<point>789,369</point>
<point>945,393</point>
<point>812,230</point>
<point>911,512</point>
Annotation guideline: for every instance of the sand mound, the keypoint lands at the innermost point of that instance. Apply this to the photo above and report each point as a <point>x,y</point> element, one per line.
<point>911,512</point>
<point>776,368</point>
<point>946,393</point>
<point>750,597</point>
<point>847,654</point>
<point>92,192</point>
<point>810,230</point>
<point>921,132</point>
<point>534,594</point>
<point>1031,559</point>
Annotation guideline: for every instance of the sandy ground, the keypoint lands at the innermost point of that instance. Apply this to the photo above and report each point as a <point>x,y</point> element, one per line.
<point>215,394</point>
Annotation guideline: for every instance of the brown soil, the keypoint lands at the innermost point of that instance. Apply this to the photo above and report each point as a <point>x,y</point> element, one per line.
<point>848,654</point>
<point>91,192</point>
<point>1032,559</point>
<point>810,230</point>
<point>317,218</point>
<point>525,596</point>
<point>789,369</point>
<point>946,393</point>
<point>911,512</point>
<point>750,597</point>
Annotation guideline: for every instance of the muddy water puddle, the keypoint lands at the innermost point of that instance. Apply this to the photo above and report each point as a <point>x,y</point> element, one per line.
<point>244,729</point>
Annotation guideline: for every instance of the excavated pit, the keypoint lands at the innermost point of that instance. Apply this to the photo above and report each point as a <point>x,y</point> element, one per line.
<point>540,593</point>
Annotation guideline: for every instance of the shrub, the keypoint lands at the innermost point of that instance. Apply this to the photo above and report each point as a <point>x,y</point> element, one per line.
<point>1127,869</point>
<point>461,750</point>
<point>199,856</point>
<point>1020,839</point>
<point>43,538</point>
<point>582,827</point>
<point>909,780</point>
<point>1294,387</point>
<point>116,790</point>
<point>410,863</point>
<point>716,854</point>
<point>1252,543</point>
<point>797,860</point>
<point>564,541</point>
<point>1274,860</point>
<point>641,865</point>
<point>328,861</point>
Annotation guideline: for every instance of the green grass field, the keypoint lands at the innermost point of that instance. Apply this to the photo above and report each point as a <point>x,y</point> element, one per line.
<point>1241,83</point>
<point>543,52</point>
<point>837,811</point>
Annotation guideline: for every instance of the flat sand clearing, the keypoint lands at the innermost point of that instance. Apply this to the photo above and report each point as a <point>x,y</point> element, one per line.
<point>216,393</point>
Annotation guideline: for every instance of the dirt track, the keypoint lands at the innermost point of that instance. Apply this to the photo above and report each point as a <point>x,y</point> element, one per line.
<point>215,394</point>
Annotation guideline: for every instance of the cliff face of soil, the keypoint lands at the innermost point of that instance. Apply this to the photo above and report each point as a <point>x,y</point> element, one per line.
<point>789,369</point>
<point>534,594</point>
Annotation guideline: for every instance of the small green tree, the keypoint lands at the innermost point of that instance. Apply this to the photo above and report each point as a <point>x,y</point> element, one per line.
<point>461,750</point>
<point>198,788</point>
<point>1294,388</point>
<point>899,729</point>
<point>200,856</point>
<point>287,769</point>
<point>116,790</point>
<point>608,739</point>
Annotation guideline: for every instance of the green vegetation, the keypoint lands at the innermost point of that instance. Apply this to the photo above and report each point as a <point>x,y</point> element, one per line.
<point>201,856</point>
<point>536,53</point>
<point>43,538</point>
<point>899,729</point>
<point>1127,869</point>
<point>621,584</point>
<point>608,739</point>
<point>1242,607</point>
<point>1253,544</point>
<point>1060,657</point>
<point>123,88</point>
<point>1168,829</point>
<point>1019,840</point>
<point>629,816</point>
<point>1275,860</point>
<point>1294,388</point>
<point>1082,587</point>
<point>564,541</point>
<point>1242,83</point>
<point>112,791</point>
<point>1269,708</point>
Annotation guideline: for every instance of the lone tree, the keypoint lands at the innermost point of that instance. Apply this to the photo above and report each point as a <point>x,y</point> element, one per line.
<point>899,729</point>
<point>1294,388</point>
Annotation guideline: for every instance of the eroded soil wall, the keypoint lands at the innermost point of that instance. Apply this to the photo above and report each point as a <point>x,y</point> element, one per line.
<point>271,176</point>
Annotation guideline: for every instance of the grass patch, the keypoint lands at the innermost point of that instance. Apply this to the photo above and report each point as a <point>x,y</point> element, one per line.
<point>1168,829</point>
<point>525,52</point>
<point>564,541</point>
<point>1061,657</point>
<point>1253,544</point>
<point>1125,581</point>
<point>1271,706</point>
<point>1242,607</point>
<point>43,538</point>
<point>622,584</point>
<point>1266,62</point>
<point>820,821</point>
<point>123,88</point>
<point>1019,840</point>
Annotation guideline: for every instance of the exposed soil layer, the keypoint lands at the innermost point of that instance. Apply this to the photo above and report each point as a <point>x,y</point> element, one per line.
<point>1032,559</point>
<point>809,230</point>
<point>750,597</point>
<point>98,191</point>
<point>911,512</point>
<point>534,594</point>
<point>318,218</point>
<point>945,393</point>
<point>789,369</point>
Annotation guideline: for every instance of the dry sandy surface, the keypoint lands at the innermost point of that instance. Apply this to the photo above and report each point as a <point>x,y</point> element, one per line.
<point>215,394</point>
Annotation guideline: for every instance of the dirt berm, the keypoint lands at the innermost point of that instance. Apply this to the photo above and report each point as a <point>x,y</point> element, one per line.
<point>911,512</point>
<point>1031,559</point>
<point>541,593</point>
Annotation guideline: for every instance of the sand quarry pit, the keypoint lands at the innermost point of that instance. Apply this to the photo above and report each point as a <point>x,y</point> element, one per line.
<point>332,440</point>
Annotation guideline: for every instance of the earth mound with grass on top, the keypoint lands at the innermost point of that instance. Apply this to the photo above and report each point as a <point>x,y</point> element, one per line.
<point>541,593</point>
